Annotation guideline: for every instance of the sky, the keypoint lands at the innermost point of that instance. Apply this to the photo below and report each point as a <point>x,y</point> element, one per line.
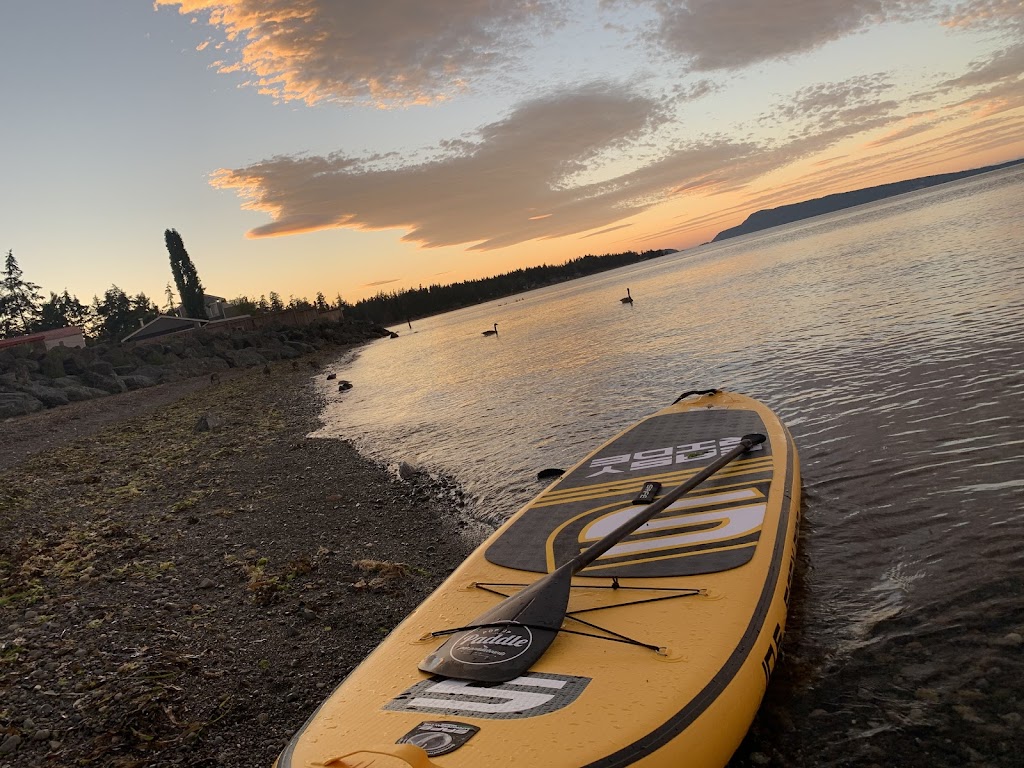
<point>351,147</point>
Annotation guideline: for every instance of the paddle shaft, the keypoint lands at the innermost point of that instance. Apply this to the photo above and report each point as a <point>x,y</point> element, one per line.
<point>528,621</point>
<point>598,548</point>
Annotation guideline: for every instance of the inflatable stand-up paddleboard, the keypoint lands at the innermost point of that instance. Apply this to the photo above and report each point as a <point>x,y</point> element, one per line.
<point>630,614</point>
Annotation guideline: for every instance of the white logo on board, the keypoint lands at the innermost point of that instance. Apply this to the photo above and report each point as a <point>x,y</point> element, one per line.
<point>492,645</point>
<point>715,524</point>
<point>529,695</point>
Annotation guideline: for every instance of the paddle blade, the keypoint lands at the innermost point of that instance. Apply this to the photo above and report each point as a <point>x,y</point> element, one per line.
<point>505,642</point>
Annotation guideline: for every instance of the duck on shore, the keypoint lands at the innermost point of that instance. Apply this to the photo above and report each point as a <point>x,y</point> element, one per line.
<point>628,299</point>
<point>492,332</point>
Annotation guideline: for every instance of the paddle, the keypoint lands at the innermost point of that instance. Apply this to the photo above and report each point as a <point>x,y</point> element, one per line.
<point>504,642</point>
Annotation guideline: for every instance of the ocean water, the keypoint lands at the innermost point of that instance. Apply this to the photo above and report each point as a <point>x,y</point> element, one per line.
<point>890,339</point>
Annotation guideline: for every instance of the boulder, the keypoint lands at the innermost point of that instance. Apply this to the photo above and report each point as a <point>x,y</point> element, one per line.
<point>76,394</point>
<point>51,397</point>
<point>110,384</point>
<point>135,381</point>
<point>18,404</point>
<point>244,358</point>
<point>208,422</point>
<point>151,355</point>
<point>52,365</point>
<point>197,367</point>
<point>67,382</point>
<point>270,353</point>
<point>102,367</point>
<point>77,360</point>
<point>154,372</point>
<point>117,356</point>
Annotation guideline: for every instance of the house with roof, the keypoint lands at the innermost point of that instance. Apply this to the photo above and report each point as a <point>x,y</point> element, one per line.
<point>164,325</point>
<point>71,336</point>
<point>214,307</point>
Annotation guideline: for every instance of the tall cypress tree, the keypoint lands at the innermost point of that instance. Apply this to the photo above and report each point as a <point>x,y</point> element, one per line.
<point>185,277</point>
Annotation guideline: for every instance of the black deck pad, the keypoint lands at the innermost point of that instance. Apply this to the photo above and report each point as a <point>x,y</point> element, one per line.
<point>713,528</point>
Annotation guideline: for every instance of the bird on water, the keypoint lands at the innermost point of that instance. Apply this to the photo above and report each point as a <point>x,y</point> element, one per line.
<point>628,299</point>
<point>492,333</point>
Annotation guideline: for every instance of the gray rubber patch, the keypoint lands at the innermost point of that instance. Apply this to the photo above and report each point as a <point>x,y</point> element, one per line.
<point>531,695</point>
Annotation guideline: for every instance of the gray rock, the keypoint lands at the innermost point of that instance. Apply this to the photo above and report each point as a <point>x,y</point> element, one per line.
<point>75,361</point>
<point>18,404</point>
<point>271,353</point>
<point>76,394</point>
<point>919,672</point>
<point>244,358</point>
<point>51,397</point>
<point>208,422</point>
<point>135,381</point>
<point>108,383</point>
<point>154,372</point>
<point>52,366</point>
<point>102,367</point>
<point>301,347</point>
<point>197,367</point>
<point>67,382</point>
<point>10,744</point>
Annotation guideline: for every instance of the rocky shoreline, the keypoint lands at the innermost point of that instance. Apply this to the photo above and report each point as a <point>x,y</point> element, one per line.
<point>174,595</point>
<point>33,378</point>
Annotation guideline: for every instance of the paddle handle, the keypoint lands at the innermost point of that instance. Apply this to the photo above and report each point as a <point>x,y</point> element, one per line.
<point>598,548</point>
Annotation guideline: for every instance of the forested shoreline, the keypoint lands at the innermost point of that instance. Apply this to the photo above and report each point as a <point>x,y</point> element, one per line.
<point>23,309</point>
<point>400,306</point>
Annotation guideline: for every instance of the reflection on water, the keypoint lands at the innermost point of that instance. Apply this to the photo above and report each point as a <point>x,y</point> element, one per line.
<point>890,338</point>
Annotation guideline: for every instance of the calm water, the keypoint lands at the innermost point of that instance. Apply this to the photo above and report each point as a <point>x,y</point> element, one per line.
<point>890,338</point>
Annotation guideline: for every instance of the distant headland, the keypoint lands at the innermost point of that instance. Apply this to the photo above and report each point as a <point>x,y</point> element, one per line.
<point>784,214</point>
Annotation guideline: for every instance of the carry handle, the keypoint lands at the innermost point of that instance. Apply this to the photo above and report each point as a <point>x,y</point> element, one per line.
<point>409,754</point>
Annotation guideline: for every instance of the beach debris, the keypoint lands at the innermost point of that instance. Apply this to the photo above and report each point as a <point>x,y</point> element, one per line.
<point>407,471</point>
<point>208,422</point>
<point>332,376</point>
<point>344,385</point>
<point>544,474</point>
<point>380,573</point>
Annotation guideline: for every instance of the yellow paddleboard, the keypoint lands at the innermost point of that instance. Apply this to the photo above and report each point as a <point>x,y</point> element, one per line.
<point>630,614</point>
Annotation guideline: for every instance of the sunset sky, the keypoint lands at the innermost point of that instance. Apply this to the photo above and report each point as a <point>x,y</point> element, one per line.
<point>349,147</point>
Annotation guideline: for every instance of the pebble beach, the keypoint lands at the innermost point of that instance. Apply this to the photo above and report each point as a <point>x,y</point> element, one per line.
<point>185,574</point>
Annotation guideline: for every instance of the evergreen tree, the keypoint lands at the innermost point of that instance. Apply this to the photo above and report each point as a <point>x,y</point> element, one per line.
<point>19,300</point>
<point>61,311</point>
<point>263,305</point>
<point>276,305</point>
<point>190,289</point>
<point>119,314</point>
<point>320,302</point>
<point>169,297</point>
<point>244,305</point>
